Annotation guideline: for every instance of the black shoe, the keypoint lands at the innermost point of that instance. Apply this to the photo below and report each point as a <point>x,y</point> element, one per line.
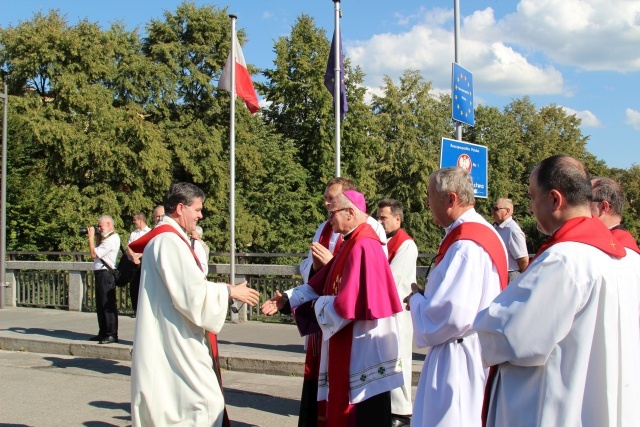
<point>97,338</point>
<point>109,340</point>
<point>400,420</point>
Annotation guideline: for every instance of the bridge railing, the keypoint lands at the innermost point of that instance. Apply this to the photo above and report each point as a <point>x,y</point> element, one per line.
<point>70,285</point>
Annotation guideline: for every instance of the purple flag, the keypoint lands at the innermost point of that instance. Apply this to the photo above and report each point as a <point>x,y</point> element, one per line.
<point>330,76</point>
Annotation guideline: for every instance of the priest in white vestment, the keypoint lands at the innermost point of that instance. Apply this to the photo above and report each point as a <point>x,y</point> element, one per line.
<point>403,255</point>
<point>173,381</point>
<point>565,334</point>
<point>470,271</point>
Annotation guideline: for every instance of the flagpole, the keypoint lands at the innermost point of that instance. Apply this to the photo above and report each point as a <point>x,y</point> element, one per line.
<point>337,81</point>
<point>232,156</point>
<point>456,37</point>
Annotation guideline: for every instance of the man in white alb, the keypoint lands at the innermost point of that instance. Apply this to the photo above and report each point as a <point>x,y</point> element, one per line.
<point>471,268</point>
<point>565,334</point>
<point>403,254</point>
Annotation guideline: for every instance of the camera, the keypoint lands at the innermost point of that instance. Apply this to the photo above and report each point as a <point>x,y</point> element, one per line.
<point>84,230</point>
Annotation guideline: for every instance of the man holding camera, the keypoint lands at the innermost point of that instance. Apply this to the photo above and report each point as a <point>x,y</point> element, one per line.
<point>104,261</point>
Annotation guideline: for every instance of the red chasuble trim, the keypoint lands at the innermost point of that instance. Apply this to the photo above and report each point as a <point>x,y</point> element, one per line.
<point>586,230</point>
<point>483,236</point>
<point>325,237</point>
<point>624,237</point>
<point>396,241</point>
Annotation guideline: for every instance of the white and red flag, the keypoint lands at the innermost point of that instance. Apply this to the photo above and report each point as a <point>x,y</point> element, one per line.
<point>244,86</point>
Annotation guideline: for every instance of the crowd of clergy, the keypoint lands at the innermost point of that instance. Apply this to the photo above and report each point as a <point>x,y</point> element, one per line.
<point>557,345</point>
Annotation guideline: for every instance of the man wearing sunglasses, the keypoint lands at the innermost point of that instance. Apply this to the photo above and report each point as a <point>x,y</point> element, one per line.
<point>512,236</point>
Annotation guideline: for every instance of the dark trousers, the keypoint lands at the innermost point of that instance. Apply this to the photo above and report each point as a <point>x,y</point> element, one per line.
<point>106,304</point>
<point>134,288</point>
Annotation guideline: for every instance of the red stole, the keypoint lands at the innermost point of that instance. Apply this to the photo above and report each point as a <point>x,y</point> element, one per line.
<point>138,246</point>
<point>396,241</point>
<point>483,236</point>
<point>325,237</point>
<point>624,237</point>
<point>586,230</point>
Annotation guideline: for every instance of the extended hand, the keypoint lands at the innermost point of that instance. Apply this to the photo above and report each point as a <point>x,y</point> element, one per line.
<point>241,292</point>
<point>415,289</point>
<point>320,255</point>
<point>272,306</point>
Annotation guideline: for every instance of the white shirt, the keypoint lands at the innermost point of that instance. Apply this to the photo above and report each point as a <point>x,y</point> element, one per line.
<point>108,251</point>
<point>515,241</point>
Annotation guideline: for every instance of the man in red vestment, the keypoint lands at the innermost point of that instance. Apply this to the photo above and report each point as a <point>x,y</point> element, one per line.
<point>354,300</point>
<point>607,205</point>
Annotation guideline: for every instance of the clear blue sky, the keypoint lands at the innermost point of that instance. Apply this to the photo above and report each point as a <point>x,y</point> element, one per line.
<point>583,55</point>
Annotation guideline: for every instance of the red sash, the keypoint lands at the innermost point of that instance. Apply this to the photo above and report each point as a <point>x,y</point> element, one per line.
<point>138,246</point>
<point>625,238</point>
<point>587,230</point>
<point>325,237</point>
<point>483,236</point>
<point>396,241</point>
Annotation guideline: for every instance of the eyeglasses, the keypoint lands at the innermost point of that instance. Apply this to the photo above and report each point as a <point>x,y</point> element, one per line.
<point>332,213</point>
<point>496,209</point>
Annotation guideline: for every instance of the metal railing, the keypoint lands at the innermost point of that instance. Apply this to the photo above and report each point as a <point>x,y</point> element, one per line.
<point>71,285</point>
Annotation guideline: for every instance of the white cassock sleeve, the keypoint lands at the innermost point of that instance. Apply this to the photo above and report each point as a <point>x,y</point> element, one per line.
<point>512,328</point>
<point>300,295</point>
<point>453,294</point>
<point>328,319</point>
<point>307,263</point>
<point>203,303</point>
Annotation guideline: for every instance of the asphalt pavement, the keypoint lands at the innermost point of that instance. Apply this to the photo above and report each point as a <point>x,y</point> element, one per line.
<point>253,347</point>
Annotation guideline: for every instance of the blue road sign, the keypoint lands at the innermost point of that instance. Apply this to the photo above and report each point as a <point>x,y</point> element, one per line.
<point>471,157</point>
<point>462,95</point>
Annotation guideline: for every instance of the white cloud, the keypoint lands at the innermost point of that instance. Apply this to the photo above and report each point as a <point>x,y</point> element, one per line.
<point>587,117</point>
<point>429,47</point>
<point>590,34</point>
<point>633,118</point>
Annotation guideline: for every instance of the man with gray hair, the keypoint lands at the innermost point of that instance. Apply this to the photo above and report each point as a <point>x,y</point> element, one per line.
<point>355,300</point>
<point>607,205</point>
<point>104,263</point>
<point>512,236</point>
<point>471,269</point>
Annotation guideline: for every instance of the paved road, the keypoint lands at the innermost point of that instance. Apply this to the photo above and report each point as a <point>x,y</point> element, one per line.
<point>54,390</point>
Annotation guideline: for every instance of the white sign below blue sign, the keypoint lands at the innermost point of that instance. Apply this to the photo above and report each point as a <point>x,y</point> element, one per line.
<point>472,157</point>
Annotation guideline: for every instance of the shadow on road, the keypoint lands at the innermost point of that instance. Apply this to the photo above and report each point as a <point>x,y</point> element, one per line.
<point>57,333</point>
<point>103,366</point>
<point>261,402</point>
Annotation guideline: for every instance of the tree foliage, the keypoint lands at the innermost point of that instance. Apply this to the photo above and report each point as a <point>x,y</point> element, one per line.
<point>102,121</point>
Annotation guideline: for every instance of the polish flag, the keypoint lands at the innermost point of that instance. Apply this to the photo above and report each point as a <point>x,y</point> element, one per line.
<point>244,86</point>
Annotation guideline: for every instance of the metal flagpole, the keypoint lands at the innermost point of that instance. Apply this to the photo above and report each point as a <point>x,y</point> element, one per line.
<point>456,36</point>
<point>232,155</point>
<point>337,82</point>
<point>3,197</point>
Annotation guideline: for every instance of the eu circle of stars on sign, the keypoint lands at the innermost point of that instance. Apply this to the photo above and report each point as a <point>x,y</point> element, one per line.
<point>462,95</point>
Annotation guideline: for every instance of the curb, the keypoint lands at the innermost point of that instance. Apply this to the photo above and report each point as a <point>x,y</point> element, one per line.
<point>231,361</point>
